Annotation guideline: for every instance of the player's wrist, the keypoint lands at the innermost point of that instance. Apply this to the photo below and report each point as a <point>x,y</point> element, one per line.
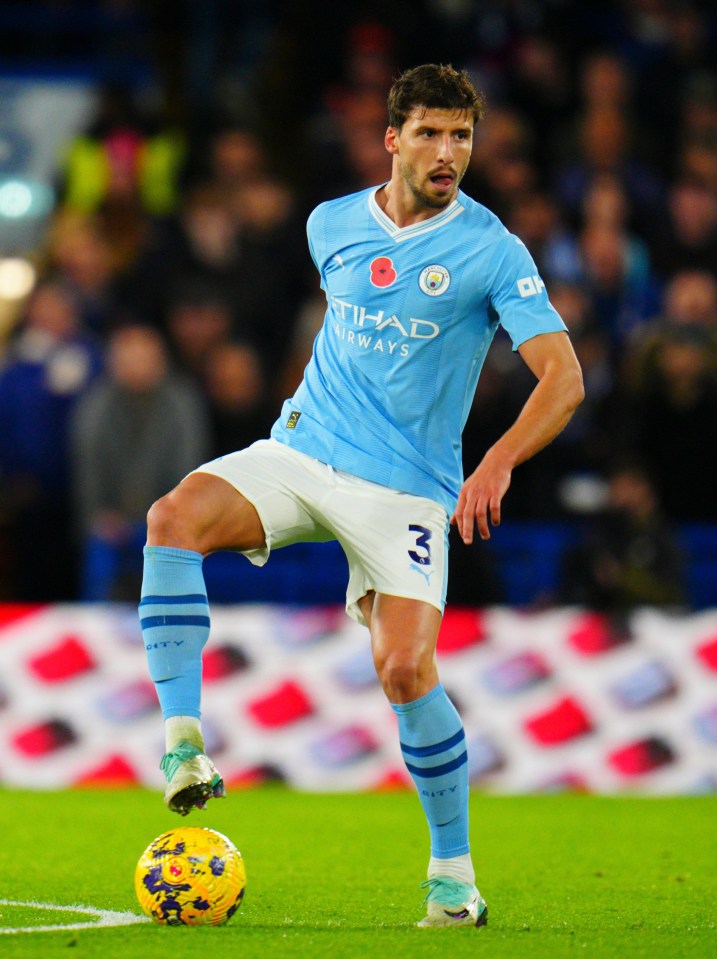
<point>501,458</point>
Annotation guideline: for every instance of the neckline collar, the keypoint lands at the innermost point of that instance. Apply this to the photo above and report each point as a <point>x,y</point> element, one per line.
<point>401,233</point>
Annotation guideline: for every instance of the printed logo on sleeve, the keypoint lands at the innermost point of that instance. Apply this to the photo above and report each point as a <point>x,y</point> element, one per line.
<point>530,285</point>
<point>293,420</point>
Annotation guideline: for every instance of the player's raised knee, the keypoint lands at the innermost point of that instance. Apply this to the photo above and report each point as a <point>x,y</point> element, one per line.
<point>170,522</point>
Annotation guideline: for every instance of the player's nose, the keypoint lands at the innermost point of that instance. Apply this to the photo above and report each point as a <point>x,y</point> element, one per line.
<point>445,148</point>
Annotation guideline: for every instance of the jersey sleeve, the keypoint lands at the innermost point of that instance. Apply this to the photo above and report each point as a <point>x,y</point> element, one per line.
<point>517,293</point>
<point>315,232</point>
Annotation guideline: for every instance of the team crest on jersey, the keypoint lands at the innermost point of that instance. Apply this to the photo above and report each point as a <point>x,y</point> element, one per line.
<point>434,280</point>
<point>383,272</point>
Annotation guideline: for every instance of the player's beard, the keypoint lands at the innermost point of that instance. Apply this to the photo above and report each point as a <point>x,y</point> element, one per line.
<point>425,199</point>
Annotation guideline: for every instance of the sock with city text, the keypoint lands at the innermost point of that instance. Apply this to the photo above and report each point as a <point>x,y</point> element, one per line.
<point>174,616</point>
<point>433,744</point>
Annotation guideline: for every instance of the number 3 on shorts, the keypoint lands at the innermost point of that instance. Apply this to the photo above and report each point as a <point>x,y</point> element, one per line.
<point>422,543</point>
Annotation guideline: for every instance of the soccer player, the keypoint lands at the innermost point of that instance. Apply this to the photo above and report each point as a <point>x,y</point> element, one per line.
<point>417,277</point>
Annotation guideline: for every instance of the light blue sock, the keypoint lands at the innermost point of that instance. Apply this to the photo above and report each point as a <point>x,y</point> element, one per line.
<point>433,744</point>
<point>174,616</point>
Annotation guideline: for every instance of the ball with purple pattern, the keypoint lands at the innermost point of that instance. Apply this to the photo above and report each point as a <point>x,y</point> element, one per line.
<point>190,876</point>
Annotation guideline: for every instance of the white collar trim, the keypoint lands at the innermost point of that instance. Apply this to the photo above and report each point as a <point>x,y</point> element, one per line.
<point>401,233</point>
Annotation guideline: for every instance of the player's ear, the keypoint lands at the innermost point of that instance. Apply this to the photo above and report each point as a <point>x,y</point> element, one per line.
<point>391,140</point>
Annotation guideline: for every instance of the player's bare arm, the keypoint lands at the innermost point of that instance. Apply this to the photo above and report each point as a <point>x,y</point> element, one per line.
<point>556,396</point>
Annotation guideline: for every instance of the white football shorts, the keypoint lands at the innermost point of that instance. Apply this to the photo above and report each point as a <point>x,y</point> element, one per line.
<point>395,542</point>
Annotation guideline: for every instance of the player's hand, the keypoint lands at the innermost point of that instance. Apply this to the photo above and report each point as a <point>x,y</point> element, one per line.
<point>480,499</point>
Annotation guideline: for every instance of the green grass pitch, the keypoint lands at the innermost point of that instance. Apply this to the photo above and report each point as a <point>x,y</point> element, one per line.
<point>337,875</point>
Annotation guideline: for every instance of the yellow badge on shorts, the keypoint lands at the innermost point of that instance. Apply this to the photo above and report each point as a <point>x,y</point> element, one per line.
<point>293,420</point>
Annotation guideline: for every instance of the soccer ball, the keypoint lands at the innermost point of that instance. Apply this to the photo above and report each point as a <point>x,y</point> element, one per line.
<point>190,876</point>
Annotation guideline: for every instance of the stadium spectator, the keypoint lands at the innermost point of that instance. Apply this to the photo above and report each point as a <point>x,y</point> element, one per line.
<point>239,245</point>
<point>629,555</point>
<point>122,159</point>
<point>200,244</point>
<point>78,254</point>
<point>604,147</point>
<point>136,432</point>
<point>501,169</point>
<point>697,161</point>
<point>619,280</point>
<point>197,321</point>
<point>669,413</point>
<point>688,237</point>
<point>240,410</point>
<point>689,300</point>
<point>273,269</point>
<point>605,203</point>
<point>586,446</point>
<point>361,129</point>
<point>699,107</point>
<point>536,218</point>
<point>542,93</point>
<point>605,81</point>
<point>49,364</point>
<point>686,49</point>
<point>230,156</point>
<point>350,117</point>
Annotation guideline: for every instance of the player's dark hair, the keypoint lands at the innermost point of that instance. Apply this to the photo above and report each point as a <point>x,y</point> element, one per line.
<point>435,86</point>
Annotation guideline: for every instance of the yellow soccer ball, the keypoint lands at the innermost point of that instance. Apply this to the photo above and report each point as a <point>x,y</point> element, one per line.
<point>190,876</point>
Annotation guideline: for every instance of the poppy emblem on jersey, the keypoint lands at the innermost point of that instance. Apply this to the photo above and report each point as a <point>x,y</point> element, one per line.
<point>382,271</point>
<point>434,280</point>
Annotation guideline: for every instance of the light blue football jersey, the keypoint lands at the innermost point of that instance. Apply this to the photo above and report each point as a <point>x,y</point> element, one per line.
<point>411,314</point>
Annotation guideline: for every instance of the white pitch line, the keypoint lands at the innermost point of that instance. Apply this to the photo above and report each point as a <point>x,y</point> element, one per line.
<point>103,918</point>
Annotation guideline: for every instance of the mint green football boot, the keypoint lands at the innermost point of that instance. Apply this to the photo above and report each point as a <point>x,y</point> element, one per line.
<point>452,903</point>
<point>192,778</point>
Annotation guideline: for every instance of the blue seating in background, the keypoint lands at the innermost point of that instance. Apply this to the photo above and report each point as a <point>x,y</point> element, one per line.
<point>528,557</point>
<point>699,542</point>
<point>305,574</point>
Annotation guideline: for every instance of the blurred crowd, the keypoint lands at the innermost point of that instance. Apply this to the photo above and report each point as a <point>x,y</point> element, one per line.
<point>176,302</point>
